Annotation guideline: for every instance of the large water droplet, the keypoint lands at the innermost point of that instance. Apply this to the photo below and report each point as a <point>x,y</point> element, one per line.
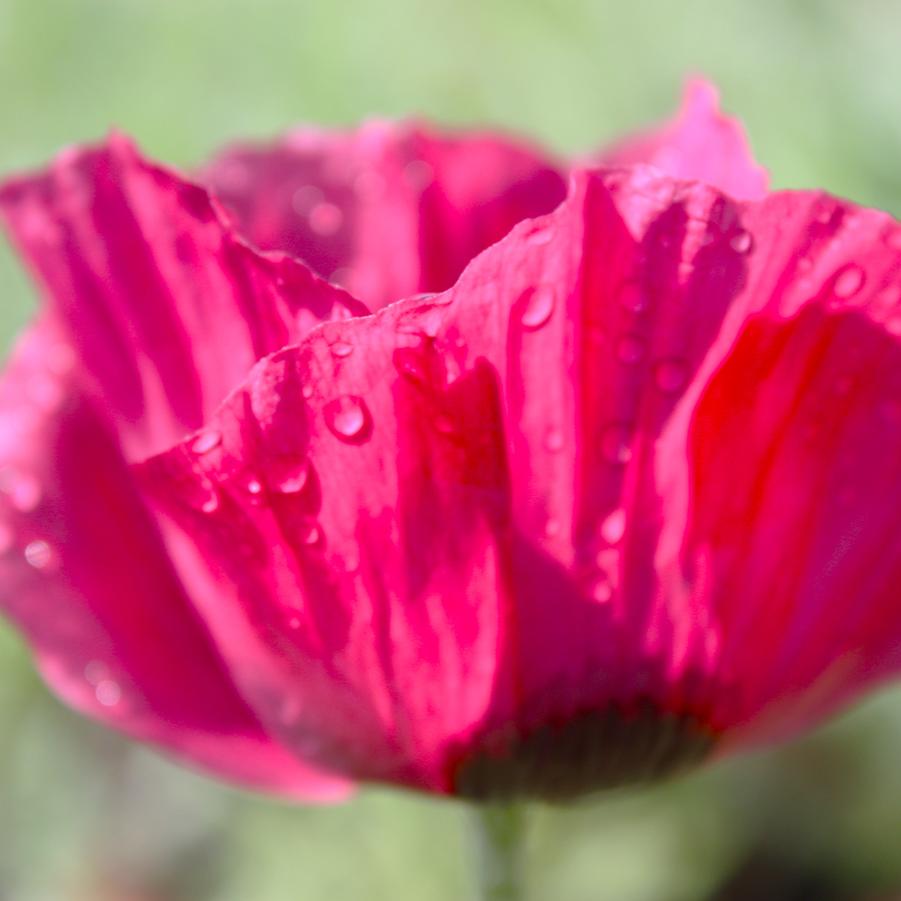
<point>346,417</point>
<point>848,281</point>
<point>539,305</point>
<point>670,375</point>
<point>602,590</point>
<point>342,349</point>
<point>40,555</point>
<point>616,444</point>
<point>206,441</point>
<point>614,526</point>
<point>307,391</point>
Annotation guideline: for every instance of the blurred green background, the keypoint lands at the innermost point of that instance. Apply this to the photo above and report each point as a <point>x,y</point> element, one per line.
<point>87,816</point>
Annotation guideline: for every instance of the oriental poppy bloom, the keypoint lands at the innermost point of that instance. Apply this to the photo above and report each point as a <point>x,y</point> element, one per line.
<point>392,455</point>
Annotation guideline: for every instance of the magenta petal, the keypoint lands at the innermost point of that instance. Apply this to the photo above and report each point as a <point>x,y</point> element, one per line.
<point>166,308</point>
<point>387,210</point>
<point>87,580</point>
<point>700,143</point>
<point>513,503</point>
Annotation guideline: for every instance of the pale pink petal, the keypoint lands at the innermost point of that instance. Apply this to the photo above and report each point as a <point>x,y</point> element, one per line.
<point>86,578</point>
<point>700,143</point>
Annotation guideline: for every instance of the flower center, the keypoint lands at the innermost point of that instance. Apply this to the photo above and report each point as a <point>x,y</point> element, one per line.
<point>590,752</point>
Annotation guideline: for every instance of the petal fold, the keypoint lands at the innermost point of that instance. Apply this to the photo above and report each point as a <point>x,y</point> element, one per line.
<point>165,306</point>
<point>87,580</point>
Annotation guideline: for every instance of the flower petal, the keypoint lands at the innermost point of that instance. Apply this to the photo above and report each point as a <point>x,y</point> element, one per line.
<point>166,308</point>
<point>505,515</point>
<point>87,580</point>
<point>701,143</point>
<point>387,210</point>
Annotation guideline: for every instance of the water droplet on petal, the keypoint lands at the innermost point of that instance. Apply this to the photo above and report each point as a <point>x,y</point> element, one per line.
<point>291,478</point>
<point>741,242</point>
<point>206,441</point>
<point>602,590</point>
<point>326,218</point>
<point>552,527</point>
<point>614,526</point>
<point>108,693</point>
<point>346,417</point>
<point>848,281</point>
<point>616,444</point>
<point>294,623</point>
<point>40,555</point>
<point>553,440</point>
<point>539,305</point>
<point>670,375</point>
<point>630,349</point>
<point>342,349</point>
<point>25,493</point>
<point>633,298</point>
<point>307,391</point>
<point>311,535</point>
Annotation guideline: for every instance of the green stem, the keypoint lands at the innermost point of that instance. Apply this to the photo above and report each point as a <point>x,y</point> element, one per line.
<point>497,834</point>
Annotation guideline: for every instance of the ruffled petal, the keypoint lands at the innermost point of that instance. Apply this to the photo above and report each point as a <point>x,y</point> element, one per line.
<point>512,503</point>
<point>388,210</point>
<point>166,308</point>
<point>87,580</point>
<point>700,143</point>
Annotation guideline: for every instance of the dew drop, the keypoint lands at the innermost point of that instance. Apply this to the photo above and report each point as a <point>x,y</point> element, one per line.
<point>539,306</point>
<point>326,218</point>
<point>552,528</point>
<point>616,444</point>
<point>553,440</point>
<point>630,349</point>
<point>342,349</point>
<point>614,526</point>
<point>25,493</point>
<point>307,391</point>
<point>108,693</point>
<point>292,478</point>
<point>670,375</point>
<point>206,441</point>
<point>602,590</point>
<point>633,298</point>
<point>311,535</point>
<point>848,281</point>
<point>40,555</point>
<point>741,242</point>
<point>294,623</point>
<point>253,486</point>
<point>346,417</point>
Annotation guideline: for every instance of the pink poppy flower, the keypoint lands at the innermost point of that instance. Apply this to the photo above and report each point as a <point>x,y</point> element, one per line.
<point>618,493</point>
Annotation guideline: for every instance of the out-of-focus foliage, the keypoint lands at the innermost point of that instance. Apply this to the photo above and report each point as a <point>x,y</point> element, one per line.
<point>84,816</point>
